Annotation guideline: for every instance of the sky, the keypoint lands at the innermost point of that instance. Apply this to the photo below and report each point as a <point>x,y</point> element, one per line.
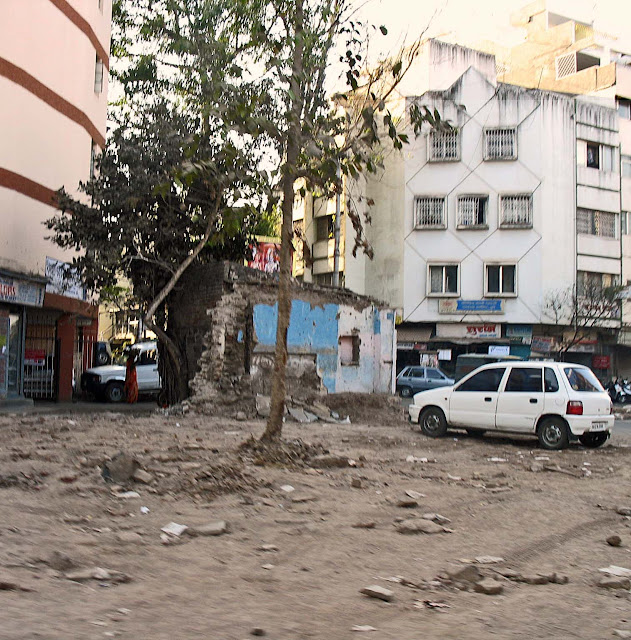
<point>457,20</point>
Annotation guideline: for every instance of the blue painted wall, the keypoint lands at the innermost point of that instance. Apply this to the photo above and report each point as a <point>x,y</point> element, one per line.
<point>311,330</point>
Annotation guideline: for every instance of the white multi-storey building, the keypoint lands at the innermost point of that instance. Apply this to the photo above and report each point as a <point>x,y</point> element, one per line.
<point>478,231</point>
<point>54,59</point>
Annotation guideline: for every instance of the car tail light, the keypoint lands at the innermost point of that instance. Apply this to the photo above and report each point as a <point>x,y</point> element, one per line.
<point>574,408</point>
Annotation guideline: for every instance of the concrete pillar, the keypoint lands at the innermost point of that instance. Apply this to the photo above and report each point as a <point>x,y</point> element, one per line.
<point>66,333</point>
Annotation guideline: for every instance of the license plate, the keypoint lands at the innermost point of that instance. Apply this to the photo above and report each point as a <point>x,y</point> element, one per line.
<point>598,426</point>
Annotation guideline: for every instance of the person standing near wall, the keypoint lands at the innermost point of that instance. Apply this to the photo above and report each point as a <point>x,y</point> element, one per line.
<point>131,379</point>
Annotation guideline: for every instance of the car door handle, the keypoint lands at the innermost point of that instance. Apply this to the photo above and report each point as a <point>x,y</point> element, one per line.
<point>488,399</point>
<point>533,400</point>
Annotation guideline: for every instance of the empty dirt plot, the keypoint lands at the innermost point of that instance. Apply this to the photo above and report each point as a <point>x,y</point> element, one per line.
<point>373,529</point>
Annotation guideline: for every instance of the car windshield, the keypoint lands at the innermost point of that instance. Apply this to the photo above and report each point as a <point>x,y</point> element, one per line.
<point>582,379</point>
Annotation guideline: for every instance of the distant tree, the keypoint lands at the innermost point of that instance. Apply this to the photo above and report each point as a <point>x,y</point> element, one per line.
<point>583,310</point>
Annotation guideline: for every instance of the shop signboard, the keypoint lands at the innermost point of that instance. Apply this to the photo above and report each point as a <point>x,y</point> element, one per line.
<point>63,280</point>
<point>499,350</point>
<point>35,357</point>
<point>519,333</point>
<point>492,305</point>
<point>601,362</point>
<point>468,330</point>
<point>265,256</point>
<point>542,344</point>
<point>17,291</point>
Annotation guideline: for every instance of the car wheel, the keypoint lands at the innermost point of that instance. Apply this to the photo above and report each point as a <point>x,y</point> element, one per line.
<point>553,434</point>
<point>102,358</point>
<point>115,392</point>
<point>405,392</point>
<point>433,423</point>
<point>476,433</point>
<point>593,440</point>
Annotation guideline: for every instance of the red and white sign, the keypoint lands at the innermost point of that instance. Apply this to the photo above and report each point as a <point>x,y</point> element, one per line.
<point>473,331</point>
<point>35,357</point>
<point>265,256</point>
<point>601,362</point>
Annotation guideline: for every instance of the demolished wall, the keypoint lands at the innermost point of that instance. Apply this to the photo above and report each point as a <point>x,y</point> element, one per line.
<point>224,316</point>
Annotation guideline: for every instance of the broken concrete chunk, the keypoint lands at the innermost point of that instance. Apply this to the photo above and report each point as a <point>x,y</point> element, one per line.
<point>120,468</point>
<point>217,528</point>
<point>263,404</point>
<point>363,627</point>
<point>174,529</point>
<point>436,517</point>
<point>621,633</point>
<point>419,526</point>
<point>375,591</point>
<point>619,572</point>
<point>364,525</point>
<point>302,498</point>
<point>97,573</point>
<point>60,561</point>
<point>140,475</point>
<point>298,414</point>
<point>407,503</point>
<point>614,541</point>
<point>488,559</point>
<point>415,495</point>
<point>356,483</point>
<point>489,586</point>
<point>329,461</point>
<point>469,573</point>
<point>128,495</point>
<point>321,411</point>
<point>615,583</point>
<point>267,547</point>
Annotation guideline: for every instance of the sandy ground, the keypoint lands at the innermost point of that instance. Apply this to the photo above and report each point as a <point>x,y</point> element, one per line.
<point>500,501</point>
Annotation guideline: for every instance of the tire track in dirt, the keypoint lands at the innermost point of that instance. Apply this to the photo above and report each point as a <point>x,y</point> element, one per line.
<point>526,553</point>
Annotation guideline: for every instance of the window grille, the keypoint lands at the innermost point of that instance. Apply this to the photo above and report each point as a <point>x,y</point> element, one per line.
<point>500,144</point>
<point>566,65</point>
<point>472,211</point>
<point>443,145</point>
<point>501,68</point>
<point>596,223</point>
<point>516,211</point>
<point>429,212</point>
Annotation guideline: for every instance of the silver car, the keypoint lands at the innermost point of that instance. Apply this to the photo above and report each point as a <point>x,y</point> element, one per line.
<point>414,379</point>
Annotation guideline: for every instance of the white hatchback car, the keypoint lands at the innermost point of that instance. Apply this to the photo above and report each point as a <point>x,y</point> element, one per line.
<point>556,401</point>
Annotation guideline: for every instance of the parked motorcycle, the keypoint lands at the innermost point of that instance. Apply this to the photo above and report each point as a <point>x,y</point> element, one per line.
<point>619,390</point>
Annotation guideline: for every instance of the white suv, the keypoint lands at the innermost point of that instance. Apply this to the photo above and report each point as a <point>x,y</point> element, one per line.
<point>108,382</point>
<point>556,401</point>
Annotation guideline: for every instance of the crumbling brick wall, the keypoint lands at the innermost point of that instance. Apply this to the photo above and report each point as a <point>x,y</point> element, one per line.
<point>217,307</point>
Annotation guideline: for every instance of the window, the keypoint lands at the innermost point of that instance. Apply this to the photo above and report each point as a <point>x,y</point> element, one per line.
<point>550,381</point>
<point>500,144</point>
<point>590,283</point>
<point>487,380</point>
<point>516,211</point>
<point>429,212</point>
<point>325,279</point>
<point>349,350</point>
<point>524,380</point>
<point>432,374</point>
<point>325,228</point>
<point>625,163</point>
<point>443,146</point>
<point>500,280</point>
<point>596,156</point>
<point>92,159</point>
<point>624,223</point>
<point>582,379</point>
<point>98,75</point>
<point>593,155</point>
<point>472,211</point>
<point>149,357</point>
<point>443,279</point>
<point>624,108</point>
<point>596,223</point>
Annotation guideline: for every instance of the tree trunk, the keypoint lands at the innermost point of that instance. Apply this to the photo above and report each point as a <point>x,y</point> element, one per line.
<point>273,430</point>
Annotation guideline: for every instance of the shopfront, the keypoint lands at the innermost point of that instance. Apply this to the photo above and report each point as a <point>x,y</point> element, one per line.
<point>18,294</point>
